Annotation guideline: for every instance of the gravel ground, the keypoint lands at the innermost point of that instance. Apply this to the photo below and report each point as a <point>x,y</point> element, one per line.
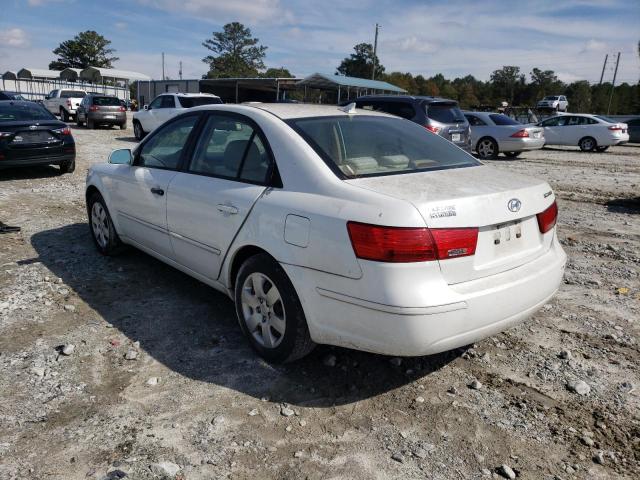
<point>124,367</point>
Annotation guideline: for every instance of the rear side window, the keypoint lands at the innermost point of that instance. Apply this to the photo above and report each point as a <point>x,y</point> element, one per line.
<point>106,101</point>
<point>189,102</point>
<point>500,119</point>
<point>400,109</point>
<point>475,121</point>
<point>366,146</point>
<point>72,94</point>
<point>445,112</point>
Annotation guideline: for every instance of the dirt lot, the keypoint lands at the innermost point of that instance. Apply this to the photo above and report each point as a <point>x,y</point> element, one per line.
<point>161,383</point>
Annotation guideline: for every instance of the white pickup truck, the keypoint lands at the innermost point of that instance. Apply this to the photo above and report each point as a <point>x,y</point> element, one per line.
<point>64,102</point>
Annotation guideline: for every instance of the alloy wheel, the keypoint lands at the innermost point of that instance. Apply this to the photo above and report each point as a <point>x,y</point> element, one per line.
<point>587,144</point>
<point>263,310</point>
<point>486,149</point>
<point>99,224</point>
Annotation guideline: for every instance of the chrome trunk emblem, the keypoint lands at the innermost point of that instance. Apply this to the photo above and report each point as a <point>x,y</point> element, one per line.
<point>514,205</point>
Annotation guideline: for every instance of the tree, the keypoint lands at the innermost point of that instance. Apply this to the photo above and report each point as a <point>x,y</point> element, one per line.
<point>579,94</point>
<point>85,49</point>
<point>506,81</point>
<point>238,54</point>
<point>360,63</point>
<point>277,73</point>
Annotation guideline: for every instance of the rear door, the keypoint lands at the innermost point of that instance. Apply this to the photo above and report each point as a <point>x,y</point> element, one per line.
<point>478,128</point>
<point>554,130</point>
<point>207,204</point>
<point>51,103</point>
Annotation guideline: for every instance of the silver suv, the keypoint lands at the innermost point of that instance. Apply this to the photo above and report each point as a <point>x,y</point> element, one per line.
<point>558,103</point>
<point>438,115</point>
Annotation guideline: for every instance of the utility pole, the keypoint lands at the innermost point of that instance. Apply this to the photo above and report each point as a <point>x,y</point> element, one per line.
<point>163,77</point>
<point>180,71</point>
<point>613,84</point>
<point>375,50</point>
<point>606,57</point>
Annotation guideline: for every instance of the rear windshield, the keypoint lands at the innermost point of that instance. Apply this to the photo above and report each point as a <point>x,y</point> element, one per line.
<point>72,94</point>
<point>550,98</point>
<point>500,119</point>
<point>367,146</point>
<point>106,101</point>
<point>188,102</point>
<point>445,112</point>
<point>16,112</point>
<point>605,119</point>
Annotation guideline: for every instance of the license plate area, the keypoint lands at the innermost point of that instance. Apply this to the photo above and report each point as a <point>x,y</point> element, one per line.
<point>508,234</point>
<point>537,134</point>
<point>109,116</point>
<point>25,138</point>
<point>455,137</point>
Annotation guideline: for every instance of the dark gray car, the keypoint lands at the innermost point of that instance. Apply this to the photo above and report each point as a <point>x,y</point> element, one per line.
<point>634,130</point>
<point>96,109</point>
<point>438,115</point>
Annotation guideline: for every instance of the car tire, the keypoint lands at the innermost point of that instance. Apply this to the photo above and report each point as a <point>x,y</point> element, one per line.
<point>138,131</point>
<point>512,154</point>
<point>123,126</point>
<point>64,115</point>
<point>487,148</point>
<point>90,124</point>
<point>67,167</point>
<point>588,144</point>
<point>602,149</point>
<point>272,320</point>
<point>78,121</point>
<point>101,226</point>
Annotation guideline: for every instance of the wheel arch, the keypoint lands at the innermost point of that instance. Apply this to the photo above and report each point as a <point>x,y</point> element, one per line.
<point>486,137</point>
<point>238,258</point>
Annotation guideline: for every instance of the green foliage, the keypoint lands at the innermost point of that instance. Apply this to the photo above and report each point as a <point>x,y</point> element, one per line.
<point>360,63</point>
<point>85,49</point>
<point>237,53</point>
<point>277,73</point>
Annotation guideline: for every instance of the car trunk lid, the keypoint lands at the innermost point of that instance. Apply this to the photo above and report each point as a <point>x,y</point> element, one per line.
<point>503,206</point>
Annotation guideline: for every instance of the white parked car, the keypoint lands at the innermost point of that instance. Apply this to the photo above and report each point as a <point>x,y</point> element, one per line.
<point>64,102</point>
<point>166,106</point>
<point>558,103</point>
<point>589,132</point>
<point>494,133</point>
<point>336,226</point>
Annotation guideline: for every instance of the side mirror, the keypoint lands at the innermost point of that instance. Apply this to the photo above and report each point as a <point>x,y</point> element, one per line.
<point>47,97</point>
<point>146,107</point>
<point>121,157</point>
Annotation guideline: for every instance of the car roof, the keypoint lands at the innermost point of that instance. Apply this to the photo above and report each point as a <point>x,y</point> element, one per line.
<point>302,110</point>
<point>426,98</point>
<point>180,94</point>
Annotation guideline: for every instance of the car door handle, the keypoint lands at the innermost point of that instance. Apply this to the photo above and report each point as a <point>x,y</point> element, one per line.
<point>230,209</point>
<point>157,191</point>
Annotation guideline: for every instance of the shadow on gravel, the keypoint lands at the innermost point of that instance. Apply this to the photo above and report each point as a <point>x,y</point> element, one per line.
<point>26,173</point>
<point>624,205</point>
<point>192,329</point>
<point>127,139</point>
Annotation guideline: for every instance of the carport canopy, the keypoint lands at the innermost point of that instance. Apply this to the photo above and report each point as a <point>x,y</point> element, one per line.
<point>70,74</point>
<point>9,75</point>
<point>31,73</point>
<point>98,75</point>
<point>323,81</point>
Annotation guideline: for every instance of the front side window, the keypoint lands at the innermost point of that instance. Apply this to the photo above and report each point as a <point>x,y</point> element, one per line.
<point>364,146</point>
<point>231,148</point>
<point>164,149</point>
<point>167,102</point>
<point>555,122</point>
<point>445,112</point>
<point>156,102</point>
<point>499,119</point>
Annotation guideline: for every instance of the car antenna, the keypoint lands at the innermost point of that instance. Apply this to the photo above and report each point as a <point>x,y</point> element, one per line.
<point>350,108</point>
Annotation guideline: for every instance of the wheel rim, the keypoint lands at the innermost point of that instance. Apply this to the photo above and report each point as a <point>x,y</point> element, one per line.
<point>485,149</point>
<point>99,224</point>
<point>587,144</point>
<point>263,310</point>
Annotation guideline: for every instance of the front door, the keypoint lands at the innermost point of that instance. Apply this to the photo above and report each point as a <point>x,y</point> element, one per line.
<point>140,191</point>
<point>208,204</point>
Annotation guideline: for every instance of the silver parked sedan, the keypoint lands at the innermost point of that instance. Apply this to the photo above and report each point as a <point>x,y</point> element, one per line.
<point>494,133</point>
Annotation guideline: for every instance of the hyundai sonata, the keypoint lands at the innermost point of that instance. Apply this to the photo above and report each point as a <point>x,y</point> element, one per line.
<point>333,225</point>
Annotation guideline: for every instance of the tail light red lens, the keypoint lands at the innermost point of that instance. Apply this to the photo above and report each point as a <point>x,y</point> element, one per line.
<point>63,131</point>
<point>615,127</point>
<point>122,109</point>
<point>403,245</point>
<point>547,219</point>
<point>94,108</point>
<point>433,129</point>
<point>521,134</point>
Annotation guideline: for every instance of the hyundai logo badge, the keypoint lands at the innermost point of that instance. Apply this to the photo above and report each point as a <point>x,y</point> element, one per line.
<point>514,205</point>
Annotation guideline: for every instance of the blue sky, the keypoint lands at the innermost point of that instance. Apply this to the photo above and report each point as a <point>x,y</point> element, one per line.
<point>423,37</point>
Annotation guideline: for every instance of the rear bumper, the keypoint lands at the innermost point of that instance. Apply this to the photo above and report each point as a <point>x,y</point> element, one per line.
<point>118,119</point>
<point>458,315</point>
<point>521,144</point>
<point>37,160</point>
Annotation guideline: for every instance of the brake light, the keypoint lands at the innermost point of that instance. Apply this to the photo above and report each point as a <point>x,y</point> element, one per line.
<point>122,109</point>
<point>5,134</point>
<point>615,127</point>
<point>433,129</point>
<point>403,245</point>
<point>94,108</point>
<point>521,134</point>
<point>547,219</point>
<point>63,131</point>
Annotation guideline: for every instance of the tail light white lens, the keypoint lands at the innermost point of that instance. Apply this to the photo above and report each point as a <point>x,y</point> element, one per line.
<point>433,129</point>
<point>547,219</point>
<point>404,245</point>
<point>63,131</point>
<point>521,134</point>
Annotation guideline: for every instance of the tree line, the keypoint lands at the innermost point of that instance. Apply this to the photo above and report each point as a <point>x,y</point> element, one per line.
<point>235,53</point>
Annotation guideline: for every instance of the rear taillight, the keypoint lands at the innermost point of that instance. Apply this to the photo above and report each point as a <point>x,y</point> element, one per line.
<point>615,127</point>
<point>122,109</point>
<point>399,244</point>
<point>521,134</point>
<point>94,108</point>
<point>63,131</point>
<point>433,129</point>
<point>547,219</point>
<point>5,134</point>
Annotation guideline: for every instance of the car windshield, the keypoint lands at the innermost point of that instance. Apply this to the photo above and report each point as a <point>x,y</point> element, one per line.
<point>445,112</point>
<point>368,146</point>
<point>188,102</point>
<point>551,98</point>
<point>106,101</point>
<point>72,94</point>
<point>605,119</point>
<point>17,112</point>
<point>500,119</point>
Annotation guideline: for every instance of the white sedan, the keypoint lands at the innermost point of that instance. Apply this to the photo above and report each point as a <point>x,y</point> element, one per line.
<point>589,132</point>
<point>333,225</point>
<point>167,106</point>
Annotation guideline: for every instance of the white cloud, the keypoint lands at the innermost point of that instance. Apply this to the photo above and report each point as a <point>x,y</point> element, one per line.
<point>121,25</point>
<point>14,37</point>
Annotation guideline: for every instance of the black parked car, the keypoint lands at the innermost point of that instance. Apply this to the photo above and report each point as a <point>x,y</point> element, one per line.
<point>438,115</point>
<point>30,135</point>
